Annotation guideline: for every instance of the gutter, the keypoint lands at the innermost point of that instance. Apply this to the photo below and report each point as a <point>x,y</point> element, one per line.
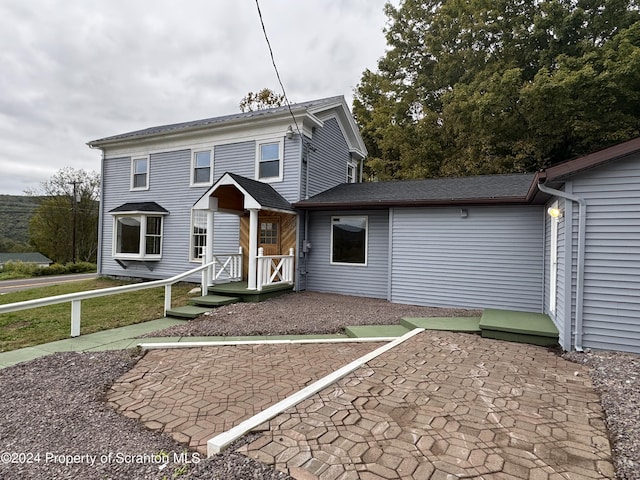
<point>582,220</point>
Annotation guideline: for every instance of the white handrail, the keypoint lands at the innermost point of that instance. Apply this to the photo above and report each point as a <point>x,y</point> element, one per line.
<point>76,298</point>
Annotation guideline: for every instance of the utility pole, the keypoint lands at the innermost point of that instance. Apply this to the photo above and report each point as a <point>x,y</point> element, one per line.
<point>74,204</point>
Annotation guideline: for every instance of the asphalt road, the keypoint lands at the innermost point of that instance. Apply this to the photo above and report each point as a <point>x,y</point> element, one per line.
<point>7,286</point>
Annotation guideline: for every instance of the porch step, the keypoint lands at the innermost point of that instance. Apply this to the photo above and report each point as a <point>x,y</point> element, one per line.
<point>522,327</point>
<point>189,312</point>
<point>451,324</point>
<point>368,331</point>
<point>213,301</point>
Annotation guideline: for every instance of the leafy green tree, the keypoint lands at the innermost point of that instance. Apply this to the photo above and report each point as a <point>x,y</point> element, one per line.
<point>491,86</point>
<point>265,98</point>
<point>51,228</point>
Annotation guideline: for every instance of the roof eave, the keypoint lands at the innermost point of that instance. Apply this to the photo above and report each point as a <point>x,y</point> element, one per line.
<point>231,123</point>
<point>564,170</point>
<point>359,205</point>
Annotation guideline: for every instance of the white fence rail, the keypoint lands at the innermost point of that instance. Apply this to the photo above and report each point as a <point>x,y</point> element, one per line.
<point>274,269</point>
<point>227,267</point>
<point>76,298</point>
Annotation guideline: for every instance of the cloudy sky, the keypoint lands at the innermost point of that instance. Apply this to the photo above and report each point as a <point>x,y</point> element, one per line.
<point>78,70</point>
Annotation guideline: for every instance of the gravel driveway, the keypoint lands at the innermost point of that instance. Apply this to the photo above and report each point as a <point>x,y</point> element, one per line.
<point>55,404</point>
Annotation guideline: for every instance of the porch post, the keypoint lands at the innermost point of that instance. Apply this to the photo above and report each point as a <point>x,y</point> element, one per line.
<point>208,255</point>
<point>253,248</point>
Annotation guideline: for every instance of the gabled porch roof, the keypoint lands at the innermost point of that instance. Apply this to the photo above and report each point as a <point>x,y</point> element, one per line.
<point>235,193</point>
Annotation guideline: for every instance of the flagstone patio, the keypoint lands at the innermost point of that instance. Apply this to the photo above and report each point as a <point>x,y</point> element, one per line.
<point>441,405</point>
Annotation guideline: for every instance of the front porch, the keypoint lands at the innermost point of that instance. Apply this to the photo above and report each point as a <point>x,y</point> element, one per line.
<point>265,258</point>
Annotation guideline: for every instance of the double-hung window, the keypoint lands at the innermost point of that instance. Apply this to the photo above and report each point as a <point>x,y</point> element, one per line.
<point>352,173</point>
<point>201,173</point>
<point>269,160</point>
<point>349,237</point>
<point>138,237</point>
<point>140,173</point>
<point>198,235</point>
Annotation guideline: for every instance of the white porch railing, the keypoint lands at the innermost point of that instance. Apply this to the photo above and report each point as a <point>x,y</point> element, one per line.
<point>227,266</point>
<point>76,298</point>
<point>274,269</point>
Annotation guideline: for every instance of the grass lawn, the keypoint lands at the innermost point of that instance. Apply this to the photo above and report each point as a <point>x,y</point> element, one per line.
<point>35,326</point>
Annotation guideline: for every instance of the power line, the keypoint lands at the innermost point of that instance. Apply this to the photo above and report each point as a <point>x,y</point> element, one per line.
<point>273,62</point>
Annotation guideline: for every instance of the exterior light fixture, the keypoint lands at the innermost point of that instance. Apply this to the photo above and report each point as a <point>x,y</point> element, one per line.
<point>290,132</point>
<point>464,213</point>
<point>554,212</point>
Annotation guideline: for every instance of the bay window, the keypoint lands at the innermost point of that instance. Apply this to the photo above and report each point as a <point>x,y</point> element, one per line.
<point>138,236</point>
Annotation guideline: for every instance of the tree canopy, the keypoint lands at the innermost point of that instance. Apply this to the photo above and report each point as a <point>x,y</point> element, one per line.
<point>265,98</point>
<point>51,227</point>
<point>495,86</point>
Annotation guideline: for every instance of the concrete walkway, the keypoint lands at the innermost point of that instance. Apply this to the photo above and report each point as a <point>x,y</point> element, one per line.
<point>439,406</point>
<point>114,339</point>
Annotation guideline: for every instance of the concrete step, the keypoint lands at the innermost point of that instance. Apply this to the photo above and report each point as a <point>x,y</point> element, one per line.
<point>188,312</point>
<point>369,331</point>
<point>451,324</point>
<point>522,327</point>
<point>213,300</point>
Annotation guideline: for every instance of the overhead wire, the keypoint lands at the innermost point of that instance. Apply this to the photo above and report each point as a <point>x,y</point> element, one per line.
<point>273,62</point>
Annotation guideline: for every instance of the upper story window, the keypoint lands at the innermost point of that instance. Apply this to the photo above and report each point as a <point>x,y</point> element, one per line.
<point>269,160</point>
<point>202,171</point>
<point>138,237</point>
<point>140,173</point>
<point>349,235</point>
<point>352,172</point>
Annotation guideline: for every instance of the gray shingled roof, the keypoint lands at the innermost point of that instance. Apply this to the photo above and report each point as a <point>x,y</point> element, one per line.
<point>263,193</point>
<point>176,127</point>
<point>512,188</point>
<point>150,207</point>
<point>28,257</point>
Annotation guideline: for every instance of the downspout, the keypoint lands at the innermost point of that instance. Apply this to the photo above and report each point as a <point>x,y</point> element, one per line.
<point>582,221</point>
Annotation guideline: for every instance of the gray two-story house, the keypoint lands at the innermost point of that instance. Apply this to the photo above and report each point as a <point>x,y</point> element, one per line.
<point>222,189</point>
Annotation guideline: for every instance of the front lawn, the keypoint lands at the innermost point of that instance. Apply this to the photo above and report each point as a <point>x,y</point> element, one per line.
<point>35,326</point>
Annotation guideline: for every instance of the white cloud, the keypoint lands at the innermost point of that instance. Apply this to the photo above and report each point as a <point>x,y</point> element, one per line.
<point>77,71</point>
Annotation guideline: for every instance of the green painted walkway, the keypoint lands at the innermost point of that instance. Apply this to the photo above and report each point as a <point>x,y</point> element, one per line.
<point>115,339</point>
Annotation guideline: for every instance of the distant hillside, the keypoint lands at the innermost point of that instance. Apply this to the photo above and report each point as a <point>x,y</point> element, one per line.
<point>15,213</point>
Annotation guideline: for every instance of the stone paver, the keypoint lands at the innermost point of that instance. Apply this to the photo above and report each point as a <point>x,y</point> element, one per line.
<point>195,393</point>
<point>447,406</point>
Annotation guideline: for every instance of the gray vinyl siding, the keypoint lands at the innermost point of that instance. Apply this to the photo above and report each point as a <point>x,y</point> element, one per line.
<point>327,165</point>
<point>367,281</point>
<point>239,158</point>
<point>611,316</point>
<point>491,259</point>
<point>169,177</point>
<point>289,188</point>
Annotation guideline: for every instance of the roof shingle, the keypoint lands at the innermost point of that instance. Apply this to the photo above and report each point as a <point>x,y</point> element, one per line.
<point>511,188</point>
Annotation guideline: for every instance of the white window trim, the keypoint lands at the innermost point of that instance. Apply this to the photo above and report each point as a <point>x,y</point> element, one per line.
<point>366,241</point>
<point>354,166</point>
<point>192,259</point>
<point>133,162</point>
<point>193,167</point>
<point>141,255</point>
<point>280,176</point>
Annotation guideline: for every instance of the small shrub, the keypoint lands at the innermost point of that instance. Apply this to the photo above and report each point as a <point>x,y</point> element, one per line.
<point>81,267</point>
<point>53,269</point>
<point>21,268</point>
